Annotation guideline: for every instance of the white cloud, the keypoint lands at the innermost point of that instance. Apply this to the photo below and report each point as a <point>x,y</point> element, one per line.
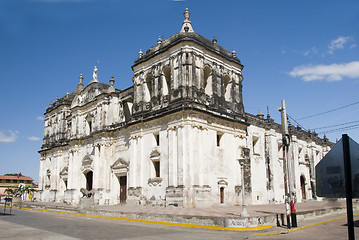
<point>40,118</point>
<point>338,43</point>
<point>33,138</point>
<point>307,53</point>
<point>330,73</point>
<point>10,137</point>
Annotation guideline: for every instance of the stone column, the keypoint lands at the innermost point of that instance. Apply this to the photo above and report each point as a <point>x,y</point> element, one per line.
<point>70,169</point>
<point>195,167</point>
<point>156,85</point>
<point>270,147</point>
<point>133,162</point>
<point>172,156</point>
<point>41,173</point>
<point>174,72</point>
<point>202,156</point>
<point>181,153</point>
<point>96,167</point>
<point>189,74</point>
<point>163,89</point>
<point>102,173</point>
<point>55,172</point>
<point>312,170</point>
<point>143,162</point>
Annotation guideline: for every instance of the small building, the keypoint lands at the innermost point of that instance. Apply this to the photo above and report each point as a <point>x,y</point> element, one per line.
<point>173,138</point>
<point>14,182</point>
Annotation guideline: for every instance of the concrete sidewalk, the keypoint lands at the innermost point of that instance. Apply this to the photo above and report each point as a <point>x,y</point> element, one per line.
<point>260,216</point>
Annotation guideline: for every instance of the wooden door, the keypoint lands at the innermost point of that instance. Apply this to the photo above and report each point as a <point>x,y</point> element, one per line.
<point>123,189</point>
<point>221,192</point>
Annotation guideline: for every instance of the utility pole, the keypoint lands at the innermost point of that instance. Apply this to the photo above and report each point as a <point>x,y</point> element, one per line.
<point>289,203</point>
<point>242,160</point>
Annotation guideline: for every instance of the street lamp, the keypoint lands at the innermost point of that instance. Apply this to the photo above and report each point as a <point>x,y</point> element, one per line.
<point>244,209</point>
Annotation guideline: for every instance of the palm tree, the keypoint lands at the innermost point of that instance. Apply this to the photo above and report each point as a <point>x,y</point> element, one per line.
<point>29,191</point>
<point>20,191</point>
<point>9,191</point>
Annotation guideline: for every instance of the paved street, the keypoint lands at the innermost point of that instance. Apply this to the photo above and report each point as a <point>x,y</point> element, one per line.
<point>46,225</point>
<point>331,230</point>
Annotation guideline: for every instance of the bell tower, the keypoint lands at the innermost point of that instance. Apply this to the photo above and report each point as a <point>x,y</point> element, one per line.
<point>187,71</point>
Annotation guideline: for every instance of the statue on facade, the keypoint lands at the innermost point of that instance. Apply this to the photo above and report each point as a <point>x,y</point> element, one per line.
<point>94,74</point>
<point>86,193</point>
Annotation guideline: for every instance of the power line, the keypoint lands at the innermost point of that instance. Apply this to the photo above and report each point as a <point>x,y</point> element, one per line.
<point>351,127</point>
<point>341,124</point>
<point>329,111</point>
<point>341,129</point>
<point>297,123</point>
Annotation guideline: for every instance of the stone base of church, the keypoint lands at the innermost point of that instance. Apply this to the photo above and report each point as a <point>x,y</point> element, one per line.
<point>174,196</point>
<point>87,203</point>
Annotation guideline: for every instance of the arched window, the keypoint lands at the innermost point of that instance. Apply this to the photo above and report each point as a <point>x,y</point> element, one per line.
<point>89,122</point>
<point>64,175</point>
<point>207,74</point>
<point>89,180</point>
<point>156,162</point>
<point>48,179</point>
<point>166,84</point>
<point>127,110</point>
<point>302,187</point>
<point>227,88</point>
<point>148,91</point>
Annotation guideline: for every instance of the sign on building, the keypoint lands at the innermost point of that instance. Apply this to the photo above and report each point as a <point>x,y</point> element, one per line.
<point>330,178</point>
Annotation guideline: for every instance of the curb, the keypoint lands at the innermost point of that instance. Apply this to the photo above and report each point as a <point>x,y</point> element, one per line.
<point>299,228</point>
<point>231,223</point>
<point>168,223</point>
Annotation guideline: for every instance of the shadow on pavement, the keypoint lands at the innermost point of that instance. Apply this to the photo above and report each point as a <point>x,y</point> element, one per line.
<point>356,224</point>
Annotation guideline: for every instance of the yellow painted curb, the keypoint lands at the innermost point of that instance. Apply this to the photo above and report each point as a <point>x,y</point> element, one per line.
<point>298,228</point>
<point>155,222</point>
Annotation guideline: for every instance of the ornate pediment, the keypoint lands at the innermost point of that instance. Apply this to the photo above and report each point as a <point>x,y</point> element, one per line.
<point>89,94</point>
<point>155,154</point>
<point>87,163</point>
<point>222,182</point>
<point>87,160</point>
<point>64,172</point>
<point>120,167</point>
<point>120,163</point>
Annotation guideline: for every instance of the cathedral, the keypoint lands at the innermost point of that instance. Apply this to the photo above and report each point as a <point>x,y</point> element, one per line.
<point>176,137</point>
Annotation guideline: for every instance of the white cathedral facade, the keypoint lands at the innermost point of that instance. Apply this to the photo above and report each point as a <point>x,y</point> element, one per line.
<point>173,138</point>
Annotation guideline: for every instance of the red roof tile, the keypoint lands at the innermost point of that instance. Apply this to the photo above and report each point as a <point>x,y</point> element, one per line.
<point>16,178</point>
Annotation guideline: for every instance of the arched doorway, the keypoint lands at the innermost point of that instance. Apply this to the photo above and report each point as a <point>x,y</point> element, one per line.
<point>89,180</point>
<point>302,187</point>
<point>221,186</point>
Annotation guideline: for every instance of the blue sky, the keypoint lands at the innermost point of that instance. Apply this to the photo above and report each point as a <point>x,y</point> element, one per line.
<point>306,52</point>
